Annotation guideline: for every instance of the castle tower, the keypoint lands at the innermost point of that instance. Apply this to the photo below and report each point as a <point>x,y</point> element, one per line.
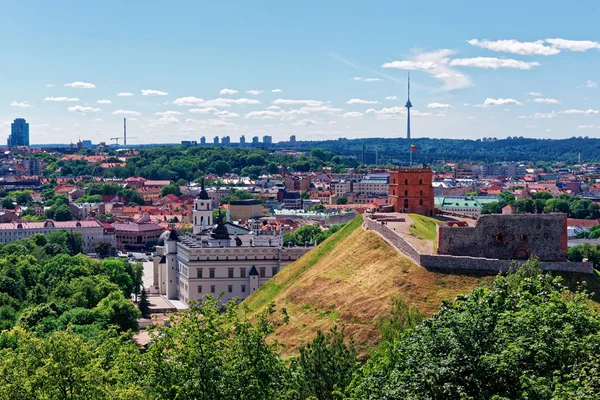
<point>202,211</point>
<point>171,258</point>
<point>411,190</point>
<point>408,107</point>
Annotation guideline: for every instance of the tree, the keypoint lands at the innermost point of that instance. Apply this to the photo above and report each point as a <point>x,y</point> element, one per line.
<point>342,200</point>
<point>272,168</point>
<point>492,207</point>
<point>319,208</point>
<point>103,248</point>
<point>119,311</point>
<point>23,198</point>
<point>7,203</point>
<point>144,304</point>
<point>326,365</point>
<point>304,195</point>
<point>63,213</point>
<point>523,336</point>
<point>170,189</point>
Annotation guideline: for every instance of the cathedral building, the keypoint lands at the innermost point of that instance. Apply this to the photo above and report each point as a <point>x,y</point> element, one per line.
<point>219,256</point>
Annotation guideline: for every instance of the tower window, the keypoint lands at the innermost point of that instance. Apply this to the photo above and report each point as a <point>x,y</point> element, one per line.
<point>420,181</point>
<point>500,238</point>
<point>523,238</point>
<point>406,203</point>
<point>406,181</point>
<point>421,193</point>
<point>406,192</point>
<point>421,202</point>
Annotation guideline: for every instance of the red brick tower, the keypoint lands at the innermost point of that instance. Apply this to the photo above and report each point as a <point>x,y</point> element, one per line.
<point>411,190</point>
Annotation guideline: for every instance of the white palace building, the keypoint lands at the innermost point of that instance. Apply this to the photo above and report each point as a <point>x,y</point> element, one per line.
<point>219,257</point>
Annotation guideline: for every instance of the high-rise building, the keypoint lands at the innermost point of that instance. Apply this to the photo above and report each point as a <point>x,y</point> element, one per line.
<point>225,140</point>
<point>242,140</point>
<point>267,139</point>
<point>255,140</point>
<point>293,139</point>
<point>203,140</point>
<point>19,133</point>
<point>216,140</point>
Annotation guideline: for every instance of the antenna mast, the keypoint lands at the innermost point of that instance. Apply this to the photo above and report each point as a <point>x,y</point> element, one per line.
<point>124,132</point>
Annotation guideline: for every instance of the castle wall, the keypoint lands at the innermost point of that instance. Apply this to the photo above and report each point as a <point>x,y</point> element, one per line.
<point>438,261</point>
<point>508,237</point>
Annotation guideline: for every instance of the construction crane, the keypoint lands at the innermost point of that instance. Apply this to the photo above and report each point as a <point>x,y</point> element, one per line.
<point>116,139</point>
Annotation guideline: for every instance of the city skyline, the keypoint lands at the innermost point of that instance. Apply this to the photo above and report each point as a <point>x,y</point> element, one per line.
<point>316,71</point>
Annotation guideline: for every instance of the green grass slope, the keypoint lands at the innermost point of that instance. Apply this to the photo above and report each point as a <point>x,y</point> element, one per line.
<point>348,280</point>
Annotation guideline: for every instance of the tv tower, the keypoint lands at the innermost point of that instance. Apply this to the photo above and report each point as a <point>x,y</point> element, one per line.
<point>125,132</point>
<point>408,107</point>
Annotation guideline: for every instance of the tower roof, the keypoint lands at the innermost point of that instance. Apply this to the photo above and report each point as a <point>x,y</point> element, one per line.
<point>203,195</point>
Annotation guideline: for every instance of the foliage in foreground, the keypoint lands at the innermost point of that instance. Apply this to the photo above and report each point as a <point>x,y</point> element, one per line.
<point>522,336</point>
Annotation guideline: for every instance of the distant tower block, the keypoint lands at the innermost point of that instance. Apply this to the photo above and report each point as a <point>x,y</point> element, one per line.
<point>408,107</point>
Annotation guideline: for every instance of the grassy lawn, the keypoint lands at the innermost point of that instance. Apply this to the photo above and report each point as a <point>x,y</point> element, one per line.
<point>424,226</point>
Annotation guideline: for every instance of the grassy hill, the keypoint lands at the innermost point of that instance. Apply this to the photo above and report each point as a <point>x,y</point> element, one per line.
<point>349,280</point>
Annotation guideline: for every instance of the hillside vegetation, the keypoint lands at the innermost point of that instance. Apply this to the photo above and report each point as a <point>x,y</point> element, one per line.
<point>349,280</point>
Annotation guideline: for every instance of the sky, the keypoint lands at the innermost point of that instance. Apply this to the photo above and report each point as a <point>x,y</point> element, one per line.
<point>179,70</point>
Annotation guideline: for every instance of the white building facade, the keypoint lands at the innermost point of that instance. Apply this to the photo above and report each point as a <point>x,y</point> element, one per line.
<point>219,257</point>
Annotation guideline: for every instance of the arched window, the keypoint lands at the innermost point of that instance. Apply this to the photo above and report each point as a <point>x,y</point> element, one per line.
<point>421,202</point>
<point>421,193</point>
<point>406,181</point>
<point>406,192</point>
<point>420,181</point>
<point>406,203</point>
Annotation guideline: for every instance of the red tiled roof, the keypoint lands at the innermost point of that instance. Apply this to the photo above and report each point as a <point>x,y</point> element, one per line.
<point>136,227</point>
<point>58,225</point>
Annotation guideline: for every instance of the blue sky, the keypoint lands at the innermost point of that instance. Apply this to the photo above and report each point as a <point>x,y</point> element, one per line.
<point>316,69</point>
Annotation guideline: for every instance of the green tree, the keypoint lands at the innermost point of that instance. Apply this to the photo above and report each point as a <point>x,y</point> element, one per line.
<point>63,213</point>
<point>119,311</point>
<point>304,195</point>
<point>144,304</point>
<point>342,200</point>
<point>326,366</point>
<point>103,248</point>
<point>23,198</point>
<point>492,207</point>
<point>319,208</point>
<point>170,189</point>
<point>7,203</point>
<point>523,336</point>
<point>272,168</point>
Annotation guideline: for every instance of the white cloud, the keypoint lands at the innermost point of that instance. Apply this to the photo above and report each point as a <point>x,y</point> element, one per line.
<point>310,103</point>
<point>531,126</point>
<point>151,92</point>
<point>546,101</point>
<point>333,122</point>
<point>124,94</point>
<point>82,109</point>
<point>489,102</point>
<point>49,85</point>
<point>540,115</point>
<point>516,47</point>
<point>214,111</point>
<point>228,91</point>
<point>493,62</point>
<point>220,102</point>
<point>573,45</point>
<point>387,111</point>
<point>353,114</point>
<point>97,120</point>
<point>61,99</point>
<point>435,63</point>
<point>535,94</point>
<point>104,102</point>
<point>548,130</point>
<point>126,112</point>
<point>591,84</point>
<point>273,108</point>
<point>326,109</point>
<point>81,85</point>
<point>167,113</point>
<point>254,92</point>
<point>438,105</point>
<point>21,104</point>
<point>281,114</point>
<point>580,112</point>
<point>361,101</point>
<point>276,91</point>
<point>390,98</point>
<point>358,78</point>
<point>306,122</point>
<point>206,124</point>
<point>471,117</point>
<point>585,126</point>
<point>188,101</point>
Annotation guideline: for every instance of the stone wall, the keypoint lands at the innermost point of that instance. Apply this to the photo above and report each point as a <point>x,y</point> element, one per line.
<point>439,261</point>
<point>508,237</point>
<point>394,239</point>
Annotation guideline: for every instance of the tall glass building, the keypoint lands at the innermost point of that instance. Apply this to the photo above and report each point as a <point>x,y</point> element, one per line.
<point>19,133</point>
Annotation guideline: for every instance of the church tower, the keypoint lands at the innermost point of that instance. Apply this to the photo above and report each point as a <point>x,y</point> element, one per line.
<point>202,211</point>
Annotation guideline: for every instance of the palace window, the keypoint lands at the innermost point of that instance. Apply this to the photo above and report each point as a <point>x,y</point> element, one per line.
<point>242,272</point>
<point>263,272</point>
<point>199,288</point>
<point>243,288</point>
<point>199,273</point>
<point>212,288</point>
<point>211,273</point>
<point>230,273</point>
<point>229,288</point>
<point>274,271</point>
